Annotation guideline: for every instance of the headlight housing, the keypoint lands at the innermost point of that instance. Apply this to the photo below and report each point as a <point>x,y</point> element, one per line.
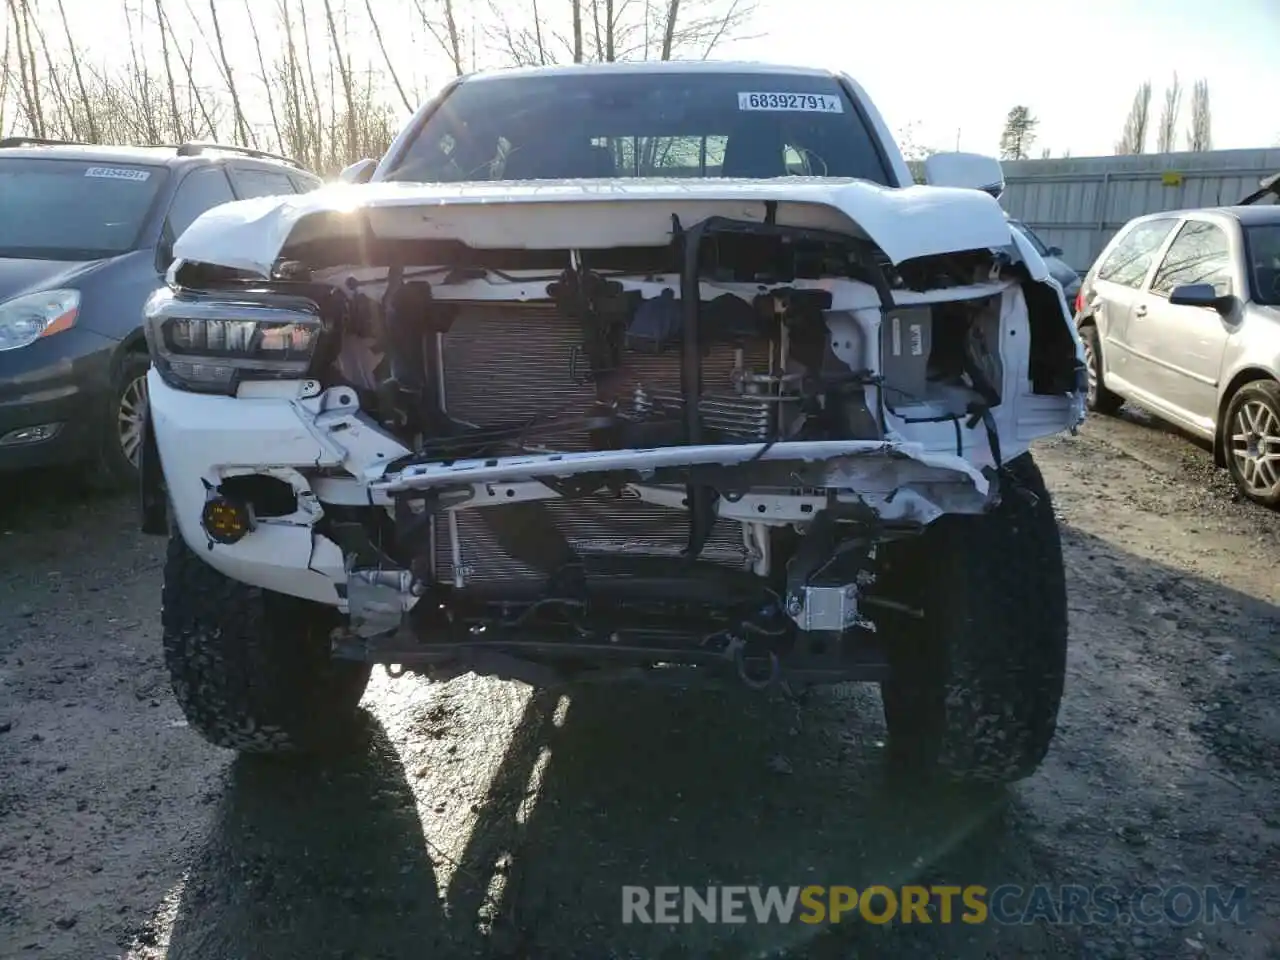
<point>209,344</point>
<point>25,319</point>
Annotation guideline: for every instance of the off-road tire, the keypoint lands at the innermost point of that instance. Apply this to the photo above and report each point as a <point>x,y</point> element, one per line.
<point>1260,394</point>
<point>975,685</point>
<point>251,669</point>
<point>1099,399</point>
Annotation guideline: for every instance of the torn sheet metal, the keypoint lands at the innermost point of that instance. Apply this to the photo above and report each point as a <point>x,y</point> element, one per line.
<point>905,223</point>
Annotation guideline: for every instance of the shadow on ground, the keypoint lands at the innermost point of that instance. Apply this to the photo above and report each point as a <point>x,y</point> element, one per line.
<point>651,787</point>
<point>313,861</point>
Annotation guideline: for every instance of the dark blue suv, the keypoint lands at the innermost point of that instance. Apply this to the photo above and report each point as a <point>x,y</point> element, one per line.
<point>86,234</point>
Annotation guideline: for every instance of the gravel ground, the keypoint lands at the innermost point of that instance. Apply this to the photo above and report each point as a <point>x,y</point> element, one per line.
<point>484,820</point>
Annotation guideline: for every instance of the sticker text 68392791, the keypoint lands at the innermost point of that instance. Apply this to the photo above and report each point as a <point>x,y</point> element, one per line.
<point>801,102</point>
<point>117,173</point>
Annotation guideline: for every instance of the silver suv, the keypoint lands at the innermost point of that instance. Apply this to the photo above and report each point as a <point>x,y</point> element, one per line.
<point>1181,316</point>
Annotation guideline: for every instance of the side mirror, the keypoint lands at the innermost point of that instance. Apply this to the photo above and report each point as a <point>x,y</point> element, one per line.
<point>1201,295</point>
<point>1054,251</point>
<point>970,170</point>
<point>358,172</point>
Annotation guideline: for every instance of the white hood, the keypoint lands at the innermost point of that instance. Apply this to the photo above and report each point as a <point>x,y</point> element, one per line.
<point>904,222</point>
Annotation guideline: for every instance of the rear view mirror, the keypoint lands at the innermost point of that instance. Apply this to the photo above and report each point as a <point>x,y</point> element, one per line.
<point>970,170</point>
<point>1201,295</point>
<point>1054,251</point>
<point>358,172</point>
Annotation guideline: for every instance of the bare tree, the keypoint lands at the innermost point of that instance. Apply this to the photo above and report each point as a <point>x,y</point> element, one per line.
<point>264,76</point>
<point>1167,141</point>
<point>910,145</point>
<point>75,64</point>
<point>4,71</point>
<point>1134,138</point>
<point>175,119</point>
<point>577,30</point>
<point>1200,136</point>
<point>386,59</point>
<point>242,126</point>
<point>521,34</point>
<point>28,67</point>
<point>438,16</point>
<point>344,73</point>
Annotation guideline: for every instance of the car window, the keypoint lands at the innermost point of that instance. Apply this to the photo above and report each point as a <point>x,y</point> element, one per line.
<point>1031,236</point>
<point>53,209</point>
<point>1200,253</point>
<point>305,183</point>
<point>746,125</point>
<point>1129,261</point>
<point>1262,243</point>
<point>256,182</point>
<point>654,156</point>
<point>201,190</point>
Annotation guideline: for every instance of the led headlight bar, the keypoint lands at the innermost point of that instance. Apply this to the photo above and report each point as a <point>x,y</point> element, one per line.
<point>209,344</point>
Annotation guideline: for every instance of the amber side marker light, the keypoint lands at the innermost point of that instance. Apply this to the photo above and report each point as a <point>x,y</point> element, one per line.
<point>226,521</point>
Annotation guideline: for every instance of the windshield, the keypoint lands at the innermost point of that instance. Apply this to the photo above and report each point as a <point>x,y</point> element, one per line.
<point>72,209</point>
<point>1262,247</point>
<point>591,125</point>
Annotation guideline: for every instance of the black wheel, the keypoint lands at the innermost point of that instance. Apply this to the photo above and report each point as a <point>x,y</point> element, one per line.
<point>975,686</point>
<point>1251,441</point>
<point>1099,399</point>
<point>251,668</point>
<point>121,439</point>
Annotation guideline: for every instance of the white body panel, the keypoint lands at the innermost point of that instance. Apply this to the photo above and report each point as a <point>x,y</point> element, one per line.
<point>905,222</point>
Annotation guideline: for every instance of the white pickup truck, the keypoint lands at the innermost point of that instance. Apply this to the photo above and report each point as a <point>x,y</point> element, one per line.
<point>625,372</point>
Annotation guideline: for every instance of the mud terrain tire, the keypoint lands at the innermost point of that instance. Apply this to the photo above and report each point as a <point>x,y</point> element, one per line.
<point>250,668</point>
<point>975,686</point>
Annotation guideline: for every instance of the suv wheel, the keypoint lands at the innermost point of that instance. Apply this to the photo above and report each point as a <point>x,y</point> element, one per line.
<point>975,686</point>
<point>1098,399</point>
<point>1251,441</point>
<point>250,668</point>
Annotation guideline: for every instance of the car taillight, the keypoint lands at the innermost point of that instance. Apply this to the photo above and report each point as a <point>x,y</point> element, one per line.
<point>1079,299</point>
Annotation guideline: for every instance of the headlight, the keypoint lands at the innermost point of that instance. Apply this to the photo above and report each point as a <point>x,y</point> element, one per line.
<point>24,320</point>
<point>207,344</point>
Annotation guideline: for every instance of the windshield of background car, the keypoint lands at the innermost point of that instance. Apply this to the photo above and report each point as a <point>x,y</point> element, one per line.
<point>1262,244</point>
<point>749,125</point>
<point>73,209</point>
<point>1030,235</point>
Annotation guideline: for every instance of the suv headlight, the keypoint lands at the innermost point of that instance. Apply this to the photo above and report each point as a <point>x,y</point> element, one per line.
<point>209,344</point>
<point>25,319</point>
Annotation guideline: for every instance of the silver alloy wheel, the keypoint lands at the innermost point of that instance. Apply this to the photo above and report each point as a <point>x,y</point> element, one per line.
<point>1255,446</point>
<point>133,405</point>
<point>1091,370</point>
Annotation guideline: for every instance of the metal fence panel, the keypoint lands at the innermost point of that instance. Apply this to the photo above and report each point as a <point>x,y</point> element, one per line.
<point>1078,203</point>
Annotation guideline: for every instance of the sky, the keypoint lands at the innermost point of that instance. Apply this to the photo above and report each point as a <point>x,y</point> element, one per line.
<point>947,70</point>
<point>957,66</point>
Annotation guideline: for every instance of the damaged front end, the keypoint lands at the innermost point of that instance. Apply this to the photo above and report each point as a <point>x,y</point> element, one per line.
<point>595,460</point>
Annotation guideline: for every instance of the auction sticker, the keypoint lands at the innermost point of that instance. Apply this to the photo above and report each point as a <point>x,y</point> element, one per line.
<point>117,173</point>
<point>801,102</point>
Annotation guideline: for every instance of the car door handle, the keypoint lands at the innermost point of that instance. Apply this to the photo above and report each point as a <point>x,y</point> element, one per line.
<point>1140,310</point>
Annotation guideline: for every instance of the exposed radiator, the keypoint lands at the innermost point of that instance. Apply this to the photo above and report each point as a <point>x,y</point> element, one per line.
<point>505,363</point>
<point>590,525</point>
<point>511,362</point>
